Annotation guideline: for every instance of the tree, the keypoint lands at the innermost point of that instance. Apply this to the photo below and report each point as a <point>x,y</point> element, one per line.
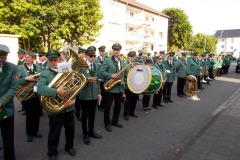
<point>179,28</point>
<point>202,42</point>
<point>44,23</point>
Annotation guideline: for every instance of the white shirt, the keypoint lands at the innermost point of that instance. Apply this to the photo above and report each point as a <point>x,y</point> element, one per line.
<point>54,69</point>
<point>102,58</point>
<point>89,65</point>
<point>170,62</point>
<point>118,63</point>
<point>30,68</point>
<point>0,69</point>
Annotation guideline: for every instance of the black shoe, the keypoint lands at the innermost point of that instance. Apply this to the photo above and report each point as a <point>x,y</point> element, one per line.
<point>165,101</point>
<point>161,105</point>
<point>101,109</point>
<point>208,83</point>
<point>37,135</point>
<point>24,113</point>
<point>133,115</point>
<point>20,110</point>
<point>95,135</point>
<point>156,107</point>
<point>86,140</point>
<point>108,128</point>
<point>179,95</point>
<point>119,125</point>
<point>29,138</point>
<point>126,117</point>
<point>52,157</point>
<point>169,100</point>
<point>71,152</point>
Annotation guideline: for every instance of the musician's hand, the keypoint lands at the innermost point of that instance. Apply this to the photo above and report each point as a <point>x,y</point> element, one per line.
<point>91,80</point>
<point>70,103</point>
<point>30,78</point>
<point>115,76</point>
<point>99,97</point>
<point>62,91</point>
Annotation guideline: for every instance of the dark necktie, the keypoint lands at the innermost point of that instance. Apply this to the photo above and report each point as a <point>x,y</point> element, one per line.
<point>91,67</point>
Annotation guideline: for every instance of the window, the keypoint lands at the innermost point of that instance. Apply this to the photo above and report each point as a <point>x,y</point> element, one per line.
<point>160,35</point>
<point>152,19</point>
<point>232,40</point>
<point>131,14</point>
<point>231,47</point>
<point>114,28</point>
<point>222,46</point>
<point>146,18</point>
<point>132,30</point>
<point>222,40</point>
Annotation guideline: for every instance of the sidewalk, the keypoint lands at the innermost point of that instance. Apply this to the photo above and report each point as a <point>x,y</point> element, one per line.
<point>221,141</point>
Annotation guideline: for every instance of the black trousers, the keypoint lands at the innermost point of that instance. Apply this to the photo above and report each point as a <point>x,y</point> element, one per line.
<point>198,81</point>
<point>117,108</point>
<point>205,78</point>
<point>146,100</point>
<point>78,107</point>
<point>211,75</point>
<point>32,108</point>
<point>167,89</point>
<point>103,93</point>
<point>227,68</point>
<point>180,86</point>
<point>88,115</point>
<point>219,71</point>
<point>157,98</point>
<point>56,122</point>
<point>7,131</point>
<point>130,104</point>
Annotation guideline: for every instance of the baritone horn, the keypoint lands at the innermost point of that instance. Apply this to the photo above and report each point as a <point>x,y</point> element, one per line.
<point>191,87</point>
<point>73,81</point>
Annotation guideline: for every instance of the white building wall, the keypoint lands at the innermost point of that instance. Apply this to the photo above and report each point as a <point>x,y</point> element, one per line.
<point>116,23</point>
<point>12,42</point>
<point>229,45</point>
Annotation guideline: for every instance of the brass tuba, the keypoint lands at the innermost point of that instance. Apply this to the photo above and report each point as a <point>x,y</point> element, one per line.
<point>73,81</point>
<point>191,87</point>
<point>113,82</point>
<point>26,91</point>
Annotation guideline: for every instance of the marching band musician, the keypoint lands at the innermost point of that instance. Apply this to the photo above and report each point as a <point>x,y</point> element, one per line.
<point>57,120</point>
<point>89,96</point>
<point>131,98</point>
<point>81,53</point>
<point>157,98</point>
<point>9,87</point>
<point>140,58</point>
<point>170,70</point>
<point>99,60</point>
<point>211,66</point>
<point>32,105</point>
<point>203,64</point>
<point>44,61</point>
<point>193,68</point>
<point>109,69</point>
<point>21,55</point>
<point>181,69</point>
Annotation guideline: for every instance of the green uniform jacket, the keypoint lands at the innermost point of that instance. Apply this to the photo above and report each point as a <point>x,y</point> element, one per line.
<point>91,90</point>
<point>161,68</point>
<point>212,63</point>
<point>140,59</point>
<point>126,74</point>
<point>226,62</point>
<point>24,72</point>
<point>98,61</point>
<point>181,68</point>
<point>20,62</point>
<point>108,68</point>
<point>45,78</point>
<point>9,87</point>
<point>154,59</point>
<point>219,63</point>
<point>193,68</point>
<point>44,66</point>
<point>238,61</point>
<point>215,64</point>
<point>207,61</point>
<point>170,77</point>
<point>203,64</point>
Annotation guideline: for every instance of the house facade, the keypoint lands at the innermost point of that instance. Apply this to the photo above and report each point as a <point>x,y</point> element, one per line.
<point>133,25</point>
<point>229,41</point>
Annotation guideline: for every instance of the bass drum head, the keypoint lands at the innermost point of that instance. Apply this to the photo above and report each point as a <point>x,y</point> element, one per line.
<point>139,78</point>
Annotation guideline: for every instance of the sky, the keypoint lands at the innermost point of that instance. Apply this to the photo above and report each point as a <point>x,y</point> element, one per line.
<point>206,16</point>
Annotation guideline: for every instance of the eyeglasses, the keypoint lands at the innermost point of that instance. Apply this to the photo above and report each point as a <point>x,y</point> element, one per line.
<point>91,56</point>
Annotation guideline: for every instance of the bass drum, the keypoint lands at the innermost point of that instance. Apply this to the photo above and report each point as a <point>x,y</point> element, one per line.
<point>143,79</point>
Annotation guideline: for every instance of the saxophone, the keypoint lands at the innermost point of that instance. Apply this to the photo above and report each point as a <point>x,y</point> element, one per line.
<point>113,81</point>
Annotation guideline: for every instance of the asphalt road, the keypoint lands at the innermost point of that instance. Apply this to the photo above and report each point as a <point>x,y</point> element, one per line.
<point>152,136</point>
